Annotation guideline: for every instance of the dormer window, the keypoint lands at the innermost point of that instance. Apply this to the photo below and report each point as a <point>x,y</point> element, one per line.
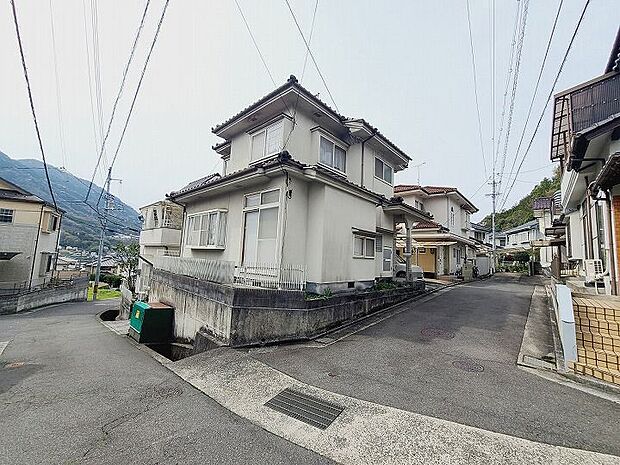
<point>384,171</point>
<point>267,141</point>
<point>333,155</point>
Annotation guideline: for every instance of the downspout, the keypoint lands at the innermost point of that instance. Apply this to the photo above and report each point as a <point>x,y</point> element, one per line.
<point>57,245</point>
<point>612,249</point>
<point>36,246</point>
<point>408,254</point>
<point>374,133</point>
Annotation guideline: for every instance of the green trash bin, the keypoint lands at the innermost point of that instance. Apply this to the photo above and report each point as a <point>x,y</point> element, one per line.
<point>151,322</point>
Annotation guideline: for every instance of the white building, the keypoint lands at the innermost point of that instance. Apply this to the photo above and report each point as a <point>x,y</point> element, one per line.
<point>444,244</point>
<point>519,238</point>
<point>29,233</point>
<point>302,185</point>
<point>585,141</point>
<point>160,235</point>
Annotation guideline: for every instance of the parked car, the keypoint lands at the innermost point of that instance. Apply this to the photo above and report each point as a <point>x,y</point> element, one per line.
<point>400,269</point>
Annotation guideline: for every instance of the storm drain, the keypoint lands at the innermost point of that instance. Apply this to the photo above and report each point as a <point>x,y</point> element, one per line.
<point>468,365</point>
<point>437,332</point>
<point>303,407</point>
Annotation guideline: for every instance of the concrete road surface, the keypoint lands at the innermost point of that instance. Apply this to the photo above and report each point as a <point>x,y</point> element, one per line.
<point>71,391</point>
<point>454,358</point>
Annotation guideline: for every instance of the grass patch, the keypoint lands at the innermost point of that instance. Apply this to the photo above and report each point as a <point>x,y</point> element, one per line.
<point>104,294</point>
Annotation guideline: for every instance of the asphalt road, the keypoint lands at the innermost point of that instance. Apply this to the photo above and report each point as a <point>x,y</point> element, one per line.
<point>86,395</point>
<point>414,361</point>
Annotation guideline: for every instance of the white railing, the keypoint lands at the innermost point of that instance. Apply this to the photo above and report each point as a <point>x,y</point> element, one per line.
<point>217,271</point>
<point>271,276</point>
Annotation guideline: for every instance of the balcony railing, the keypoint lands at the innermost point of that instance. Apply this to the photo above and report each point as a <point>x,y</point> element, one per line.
<point>581,108</point>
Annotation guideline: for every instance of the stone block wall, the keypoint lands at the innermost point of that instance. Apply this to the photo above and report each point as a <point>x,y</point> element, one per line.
<point>71,292</point>
<point>238,316</point>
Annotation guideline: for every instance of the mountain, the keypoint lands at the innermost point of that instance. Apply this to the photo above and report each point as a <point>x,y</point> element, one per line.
<point>80,224</point>
<point>522,212</point>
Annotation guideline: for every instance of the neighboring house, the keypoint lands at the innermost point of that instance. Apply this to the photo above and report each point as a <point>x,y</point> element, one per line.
<point>29,233</point>
<point>160,235</point>
<point>520,237</point>
<point>585,141</point>
<point>443,244</point>
<point>303,186</point>
<point>108,265</point>
<point>547,212</point>
<point>481,234</point>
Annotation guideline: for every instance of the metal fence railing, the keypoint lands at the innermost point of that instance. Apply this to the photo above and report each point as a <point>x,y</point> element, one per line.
<point>271,276</point>
<point>217,271</point>
<point>264,275</point>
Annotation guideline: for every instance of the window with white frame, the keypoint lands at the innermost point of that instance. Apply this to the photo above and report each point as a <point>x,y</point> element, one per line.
<point>387,258</point>
<point>384,171</point>
<point>451,216</point>
<point>50,222</point>
<point>363,247</point>
<point>333,155</point>
<point>207,229</point>
<point>267,141</point>
<point>260,232</point>
<point>6,215</point>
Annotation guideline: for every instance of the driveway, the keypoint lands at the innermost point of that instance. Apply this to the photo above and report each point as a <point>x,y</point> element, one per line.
<point>453,358</point>
<point>73,392</point>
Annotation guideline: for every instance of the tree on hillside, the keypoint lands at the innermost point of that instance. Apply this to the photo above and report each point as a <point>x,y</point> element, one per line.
<point>522,212</point>
<point>126,254</point>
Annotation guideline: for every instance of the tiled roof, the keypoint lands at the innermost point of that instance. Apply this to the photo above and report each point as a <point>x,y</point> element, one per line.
<point>281,159</point>
<point>427,225</point>
<point>198,183</point>
<point>428,189</point>
<point>10,194</point>
<point>378,133</point>
<point>291,82</point>
<point>522,227</point>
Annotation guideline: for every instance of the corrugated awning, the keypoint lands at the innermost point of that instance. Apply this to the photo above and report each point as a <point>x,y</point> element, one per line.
<point>609,176</point>
<point>432,244</point>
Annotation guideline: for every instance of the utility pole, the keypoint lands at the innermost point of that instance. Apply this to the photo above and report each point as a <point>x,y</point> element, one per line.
<point>104,223</point>
<point>494,193</point>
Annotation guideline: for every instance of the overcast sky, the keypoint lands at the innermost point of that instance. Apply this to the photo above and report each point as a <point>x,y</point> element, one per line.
<point>405,66</point>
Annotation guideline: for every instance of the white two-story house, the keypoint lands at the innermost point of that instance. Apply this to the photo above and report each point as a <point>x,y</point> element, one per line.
<point>443,245</point>
<point>302,185</point>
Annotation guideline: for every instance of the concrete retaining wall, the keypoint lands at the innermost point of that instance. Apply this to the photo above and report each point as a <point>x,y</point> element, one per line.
<point>247,316</point>
<point>75,291</point>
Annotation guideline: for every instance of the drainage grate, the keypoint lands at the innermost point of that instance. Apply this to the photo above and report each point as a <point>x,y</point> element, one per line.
<point>467,365</point>
<point>305,408</point>
<point>437,332</point>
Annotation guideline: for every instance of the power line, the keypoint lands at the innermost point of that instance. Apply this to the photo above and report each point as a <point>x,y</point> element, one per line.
<point>119,93</point>
<point>90,80</point>
<point>511,61</point>
<point>474,72</point>
<point>262,58</point>
<point>58,101</point>
<point>311,55</point>
<point>303,72</point>
<point>515,83</point>
<point>555,81</point>
<point>536,87</point>
<point>137,91</point>
<point>34,114</point>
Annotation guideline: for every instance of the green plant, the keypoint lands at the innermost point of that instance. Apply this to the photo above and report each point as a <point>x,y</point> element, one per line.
<point>385,286</point>
<point>327,293</point>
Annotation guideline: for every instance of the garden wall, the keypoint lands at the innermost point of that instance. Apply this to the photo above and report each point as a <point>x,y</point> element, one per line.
<point>239,316</point>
